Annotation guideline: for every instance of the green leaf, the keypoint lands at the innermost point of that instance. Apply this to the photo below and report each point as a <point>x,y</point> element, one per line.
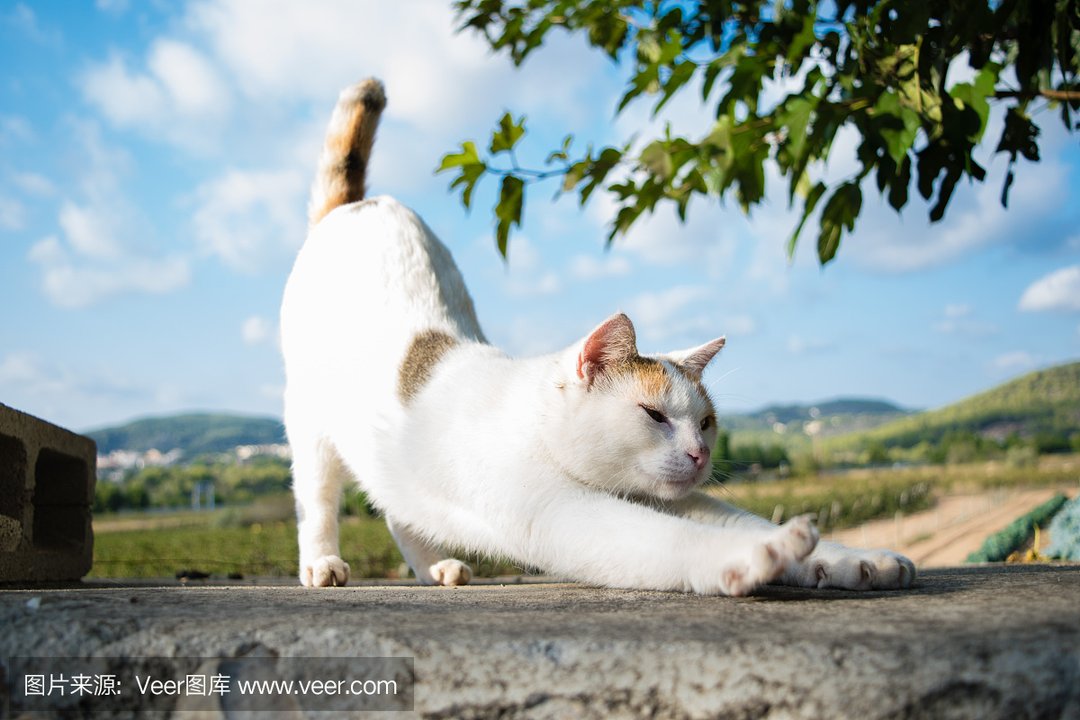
<point>508,210</point>
<point>680,74</point>
<point>809,204</point>
<point>898,125</point>
<point>898,189</point>
<point>975,95</point>
<point>471,169</point>
<point>563,153</point>
<point>656,160</point>
<point>507,134</point>
<point>467,156</point>
<point>609,157</point>
<point>839,214</point>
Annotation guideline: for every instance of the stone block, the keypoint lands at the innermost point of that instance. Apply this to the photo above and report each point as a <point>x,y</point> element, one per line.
<point>47,478</point>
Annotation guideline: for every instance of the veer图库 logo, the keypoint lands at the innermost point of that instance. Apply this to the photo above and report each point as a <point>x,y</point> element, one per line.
<point>155,684</point>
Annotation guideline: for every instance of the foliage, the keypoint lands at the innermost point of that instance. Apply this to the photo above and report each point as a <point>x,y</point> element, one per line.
<point>197,434</point>
<point>837,501</point>
<point>170,487</point>
<point>1065,532</point>
<point>879,68</point>
<point>1000,545</point>
<point>262,548</point>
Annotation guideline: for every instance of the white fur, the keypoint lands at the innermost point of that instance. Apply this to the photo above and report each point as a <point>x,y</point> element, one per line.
<point>552,462</point>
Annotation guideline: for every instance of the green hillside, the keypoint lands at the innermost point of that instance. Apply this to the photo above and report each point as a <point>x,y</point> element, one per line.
<point>196,434</point>
<point>1042,404</point>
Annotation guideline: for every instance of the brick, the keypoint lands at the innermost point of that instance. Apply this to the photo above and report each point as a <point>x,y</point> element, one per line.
<point>47,478</point>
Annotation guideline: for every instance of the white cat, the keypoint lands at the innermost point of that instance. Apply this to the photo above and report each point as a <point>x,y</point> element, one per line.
<point>582,463</point>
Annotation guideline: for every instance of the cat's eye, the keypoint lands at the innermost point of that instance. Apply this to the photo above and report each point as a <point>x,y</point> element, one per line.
<point>705,423</point>
<point>654,414</point>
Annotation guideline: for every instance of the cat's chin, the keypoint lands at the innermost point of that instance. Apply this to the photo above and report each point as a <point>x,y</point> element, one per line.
<point>675,488</point>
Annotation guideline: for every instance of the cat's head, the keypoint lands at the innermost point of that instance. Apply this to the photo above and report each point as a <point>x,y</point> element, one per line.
<point>632,424</point>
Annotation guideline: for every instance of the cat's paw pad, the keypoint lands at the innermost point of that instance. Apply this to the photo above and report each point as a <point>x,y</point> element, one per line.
<point>327,571</point>
<point>864,570</point>
<point>450,572</point>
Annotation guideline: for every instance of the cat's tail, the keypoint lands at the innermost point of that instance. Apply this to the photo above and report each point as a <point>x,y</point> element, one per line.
<point>347,149</point>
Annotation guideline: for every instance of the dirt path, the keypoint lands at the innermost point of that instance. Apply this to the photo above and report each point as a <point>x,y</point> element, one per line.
<point>954,528</point>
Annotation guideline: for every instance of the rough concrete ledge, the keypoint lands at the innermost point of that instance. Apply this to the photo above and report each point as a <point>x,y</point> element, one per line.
<point>986,642</point>
<point>47,477</point>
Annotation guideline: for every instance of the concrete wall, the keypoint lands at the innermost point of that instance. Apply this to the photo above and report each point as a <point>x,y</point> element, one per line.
<point>47,477</point>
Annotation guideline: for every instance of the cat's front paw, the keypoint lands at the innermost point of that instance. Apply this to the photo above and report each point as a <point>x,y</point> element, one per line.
<point>853,569</point>
<point>327,571</point>
<point>450,572</point>
<point>769,559</point>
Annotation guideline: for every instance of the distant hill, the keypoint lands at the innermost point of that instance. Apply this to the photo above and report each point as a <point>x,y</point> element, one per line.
<point>1046,401</point>
<point>842,415</point>
<point>195,434</point>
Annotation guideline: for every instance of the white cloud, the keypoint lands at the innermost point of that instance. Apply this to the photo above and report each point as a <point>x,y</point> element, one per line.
<point>125,99</point>
<point>738,325</point>
<point>251,218</point>
<point>1059,290</point>
<point>957,310</point>
<point>684,314</point>
<point>15,129</point>
<point>1013,361</point>
<point>256,330</point>
<point>12,214</point>
<point>90,230</point>
<point>70,281</point>
<point>113,7</point>
<point>958,319</point>
<point>23,20</point>
<point>70,393</point>
<point>798,345</point>
<point>439,81</point>
<point>180,97</point>
<point>587,267</point>
<point>33,184</point>
<point>526,274</point>
<point>708,237</point>
<point>104,247</point>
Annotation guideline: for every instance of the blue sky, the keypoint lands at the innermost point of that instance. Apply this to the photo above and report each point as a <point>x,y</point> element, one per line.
<point>154,165</point>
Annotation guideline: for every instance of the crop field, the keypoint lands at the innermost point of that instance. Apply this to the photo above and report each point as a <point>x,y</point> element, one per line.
<point>260,540</point>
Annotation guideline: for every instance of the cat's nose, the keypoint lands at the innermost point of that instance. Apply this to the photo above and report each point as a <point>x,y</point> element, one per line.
<point>699,456</point>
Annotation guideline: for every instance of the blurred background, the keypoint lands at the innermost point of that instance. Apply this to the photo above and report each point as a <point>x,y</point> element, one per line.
<point>154,166</point>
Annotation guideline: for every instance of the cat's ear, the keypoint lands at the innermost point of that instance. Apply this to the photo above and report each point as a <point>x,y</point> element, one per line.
<point>612,342</point>
<point>694,360</point>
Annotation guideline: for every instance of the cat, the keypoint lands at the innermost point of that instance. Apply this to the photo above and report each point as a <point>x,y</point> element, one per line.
<point>582,463</point>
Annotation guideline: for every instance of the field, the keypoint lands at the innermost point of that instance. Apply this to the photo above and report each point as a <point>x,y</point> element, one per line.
<point>260,540</point>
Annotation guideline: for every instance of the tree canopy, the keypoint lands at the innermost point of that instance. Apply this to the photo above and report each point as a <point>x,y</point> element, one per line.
<point>878,67</point>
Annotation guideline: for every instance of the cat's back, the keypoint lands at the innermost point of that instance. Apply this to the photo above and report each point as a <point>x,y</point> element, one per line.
<point>369,278</point>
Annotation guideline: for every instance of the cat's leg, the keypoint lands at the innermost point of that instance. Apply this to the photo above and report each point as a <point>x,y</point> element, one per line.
<point>596,538</point>
<point>318,478</point>
<point>830,565</point>
<point>428,562</point>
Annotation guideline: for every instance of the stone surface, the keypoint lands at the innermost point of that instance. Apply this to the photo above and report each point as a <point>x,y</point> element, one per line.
<point>47,477</point>
<point>984,642</point>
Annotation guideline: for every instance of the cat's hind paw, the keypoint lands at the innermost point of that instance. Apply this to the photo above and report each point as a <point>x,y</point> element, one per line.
<point>769,559</point>
<point>327,571</point>
<point>861,570</point>
<point>450,572</point>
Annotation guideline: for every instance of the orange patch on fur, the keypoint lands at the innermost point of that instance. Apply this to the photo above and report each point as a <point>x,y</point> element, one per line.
<point>350,149</point>
<point>650,375</point>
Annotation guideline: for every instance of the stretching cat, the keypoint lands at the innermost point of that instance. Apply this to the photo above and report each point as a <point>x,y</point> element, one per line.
<point>582,463</point>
